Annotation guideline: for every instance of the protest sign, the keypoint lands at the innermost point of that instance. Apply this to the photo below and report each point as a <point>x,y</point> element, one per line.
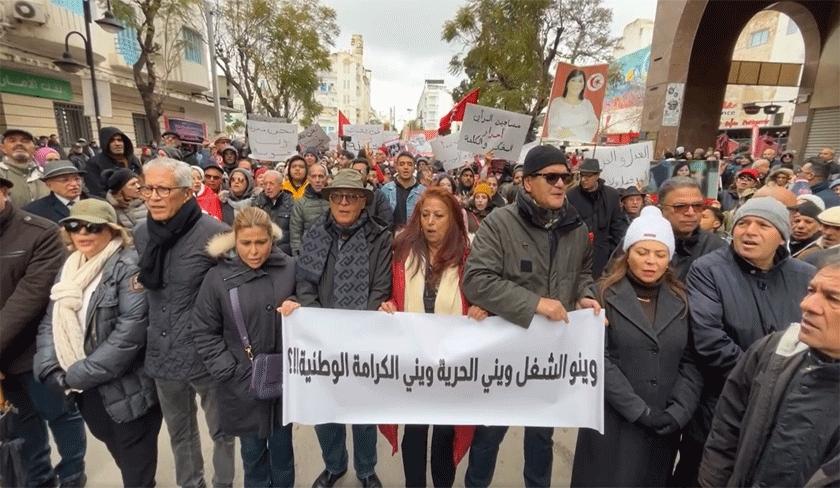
<point>271,139</point>
<point>361,135</point>
<point>524,151</point>
<point>623,166</point>
<point>419,144</point>
<point>383,138</point>
<point>360,367</point>
<point>488,129</point>
<point>445,149</point>
<point>577,96</point>
<point>314,136</point>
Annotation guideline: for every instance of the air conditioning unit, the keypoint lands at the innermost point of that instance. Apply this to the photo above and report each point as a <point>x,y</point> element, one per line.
<point>29,11</point>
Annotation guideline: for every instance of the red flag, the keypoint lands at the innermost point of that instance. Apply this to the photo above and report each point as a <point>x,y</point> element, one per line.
<point>457,112</point>
<point>342,120</point>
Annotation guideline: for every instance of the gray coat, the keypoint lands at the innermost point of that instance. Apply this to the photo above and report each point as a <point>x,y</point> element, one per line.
<point>647,366</point>
<point>170,353</point>
<point>305,212</point>
<point>115,335</point>
<point>510,266</point>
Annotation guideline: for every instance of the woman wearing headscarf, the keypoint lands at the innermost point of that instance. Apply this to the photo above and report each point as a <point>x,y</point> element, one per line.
<point>651,383</point>
<point>253,276</point>
<point>238,196</point>
<point>91,340</point>
<point>204,195</point>
<point>124,195</point>
<point>428,266</point>
<point>44,154</point>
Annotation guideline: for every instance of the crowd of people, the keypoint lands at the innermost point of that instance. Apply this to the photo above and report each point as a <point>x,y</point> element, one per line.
<point>134,286</point>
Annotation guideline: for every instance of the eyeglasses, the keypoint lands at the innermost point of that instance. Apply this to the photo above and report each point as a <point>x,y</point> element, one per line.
<point>683,207</point>
<point>162,191</point>
<point>75,226</point>
<point>350,197</point>
<point>551,178</point>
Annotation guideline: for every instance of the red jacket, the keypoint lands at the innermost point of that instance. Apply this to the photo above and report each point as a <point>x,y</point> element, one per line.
<point>210,203</point>
<point>463,433</point>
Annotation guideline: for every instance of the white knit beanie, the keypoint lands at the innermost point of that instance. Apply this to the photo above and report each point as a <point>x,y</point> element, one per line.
<point>650,225</point>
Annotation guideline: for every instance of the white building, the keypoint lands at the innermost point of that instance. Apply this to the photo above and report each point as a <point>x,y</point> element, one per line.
<point>435,100</point>
<point>636,35</point>
<point>35,95</point>
<point>346,87</point>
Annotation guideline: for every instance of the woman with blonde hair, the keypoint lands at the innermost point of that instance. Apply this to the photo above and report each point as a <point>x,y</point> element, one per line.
<point>234,327</point>
<point>92,338</point>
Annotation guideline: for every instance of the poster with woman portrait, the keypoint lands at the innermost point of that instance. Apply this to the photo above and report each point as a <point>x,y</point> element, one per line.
<point>574,109</point>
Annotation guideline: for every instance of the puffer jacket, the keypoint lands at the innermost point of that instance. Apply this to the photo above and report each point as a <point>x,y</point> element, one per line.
<point>305,212</point>
<point>217,341</point>
<point>170,353</point>
<point>280,211</point>
<point>129,215</point>
<point>514,262</point>
<point>115,338</point>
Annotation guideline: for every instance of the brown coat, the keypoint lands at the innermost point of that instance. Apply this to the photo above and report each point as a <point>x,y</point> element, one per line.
<point>31,254</point>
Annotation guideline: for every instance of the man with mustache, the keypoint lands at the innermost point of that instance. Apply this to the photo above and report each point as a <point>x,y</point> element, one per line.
<point>20,169</point>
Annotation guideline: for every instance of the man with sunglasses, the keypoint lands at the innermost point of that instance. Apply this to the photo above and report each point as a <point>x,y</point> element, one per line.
<point>531,257</point>
<point>171,243</point>
<point>345,263</point>
<point>65,183</point>
<point>214,176</point>
<point>600,208</point>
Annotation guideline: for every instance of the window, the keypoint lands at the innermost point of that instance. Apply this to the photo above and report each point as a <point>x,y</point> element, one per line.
<point>193,46</point>
<point>759,37</point>
<point>142,129</point>
<point>71,122</point>
<point>792,28</point>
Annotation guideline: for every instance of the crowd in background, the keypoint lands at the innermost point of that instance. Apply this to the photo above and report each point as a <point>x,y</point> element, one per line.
<point>134,284</point>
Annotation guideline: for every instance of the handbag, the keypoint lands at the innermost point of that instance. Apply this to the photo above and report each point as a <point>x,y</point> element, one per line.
<point>266,369</point>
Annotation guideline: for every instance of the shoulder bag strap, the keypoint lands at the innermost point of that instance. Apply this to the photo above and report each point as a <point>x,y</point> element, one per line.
<point>240,322</point>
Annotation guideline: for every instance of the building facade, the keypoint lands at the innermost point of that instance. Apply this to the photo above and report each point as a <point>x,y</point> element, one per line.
<point>35,95</point>
<point>345,88</point>
<point>435,101</point>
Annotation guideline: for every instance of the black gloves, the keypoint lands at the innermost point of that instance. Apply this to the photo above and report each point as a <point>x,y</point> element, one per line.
<point>55,381</point>
<point>659,421</point>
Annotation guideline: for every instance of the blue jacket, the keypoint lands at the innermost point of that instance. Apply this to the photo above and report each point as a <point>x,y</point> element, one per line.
<point>390,192</point>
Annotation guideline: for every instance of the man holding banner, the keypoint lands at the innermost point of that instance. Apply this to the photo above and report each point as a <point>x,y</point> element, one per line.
<point>529,258</point>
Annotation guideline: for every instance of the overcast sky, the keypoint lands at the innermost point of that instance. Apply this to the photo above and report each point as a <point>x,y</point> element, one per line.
<point>403,45</point>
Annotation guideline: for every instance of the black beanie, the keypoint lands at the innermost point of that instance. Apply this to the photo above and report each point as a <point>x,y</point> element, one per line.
<point>808,209</point>
<point>116,179</point>
<point>542,156</point>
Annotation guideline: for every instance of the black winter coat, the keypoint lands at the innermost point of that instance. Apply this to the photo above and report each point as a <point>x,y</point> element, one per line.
<point>280,211</point>
<point>647,366</point>
<point>115,338</point>
<point>31,254</point>
<point>94,182</point>
<point>602,214</point>
<point>50,208</point>
<point>217,341</point>
<point>170,353</point>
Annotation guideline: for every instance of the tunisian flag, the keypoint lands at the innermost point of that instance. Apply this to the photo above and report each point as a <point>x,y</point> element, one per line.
<point>457,112</point>
<point>342,120</point>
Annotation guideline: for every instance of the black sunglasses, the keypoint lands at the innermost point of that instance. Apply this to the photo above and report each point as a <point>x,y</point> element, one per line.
<point>74,226</point>
<point>551,178</point>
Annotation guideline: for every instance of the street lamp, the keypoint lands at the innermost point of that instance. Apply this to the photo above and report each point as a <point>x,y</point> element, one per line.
<point>69,64</point>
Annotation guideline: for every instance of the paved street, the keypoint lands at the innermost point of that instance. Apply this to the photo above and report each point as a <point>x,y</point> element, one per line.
<point>102,472</point>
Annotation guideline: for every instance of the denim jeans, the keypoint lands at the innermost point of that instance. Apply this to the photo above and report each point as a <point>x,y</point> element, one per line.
<point>333,440</point>
<point>539,455</point>
<point>177,401</point>
<point>269,462</point>
<point>39,406</point>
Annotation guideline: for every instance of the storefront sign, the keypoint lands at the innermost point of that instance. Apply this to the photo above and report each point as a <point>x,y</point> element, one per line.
<point>34,86</point>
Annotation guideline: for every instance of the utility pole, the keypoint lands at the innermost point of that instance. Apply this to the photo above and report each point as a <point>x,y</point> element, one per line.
<point>209,11</point>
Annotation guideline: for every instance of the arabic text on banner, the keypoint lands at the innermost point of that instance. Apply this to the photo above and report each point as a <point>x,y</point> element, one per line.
<point>314,136</point>
<point>361,135</point>
<point>623,166</point>
<point>271,139</point>
<point>445,149</point>
<point>355,367</point>
<point>488,129</point>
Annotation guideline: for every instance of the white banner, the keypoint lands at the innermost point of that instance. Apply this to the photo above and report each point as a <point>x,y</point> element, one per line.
<point>623,166</point>
<point>354,367</point>
<point>314,136</point>
<point>271,139</point>
<point>361,135</point>
<point>384,138</point>
<point>445,149</point>
<point>673,105</point>
<point>103,89</point>
<point>488,129</point>
<point>419,144</point>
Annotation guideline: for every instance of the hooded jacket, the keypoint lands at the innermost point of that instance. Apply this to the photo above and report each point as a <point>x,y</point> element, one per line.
<point>217,341</point>
<point>94,182</point>
<point>306,212</point>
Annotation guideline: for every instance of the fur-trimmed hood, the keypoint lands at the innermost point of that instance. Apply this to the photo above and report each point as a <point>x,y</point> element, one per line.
<point>223,245</point>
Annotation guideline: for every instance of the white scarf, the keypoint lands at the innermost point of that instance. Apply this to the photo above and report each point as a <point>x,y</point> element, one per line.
<point>76,274</point>
<point>448,299</point>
